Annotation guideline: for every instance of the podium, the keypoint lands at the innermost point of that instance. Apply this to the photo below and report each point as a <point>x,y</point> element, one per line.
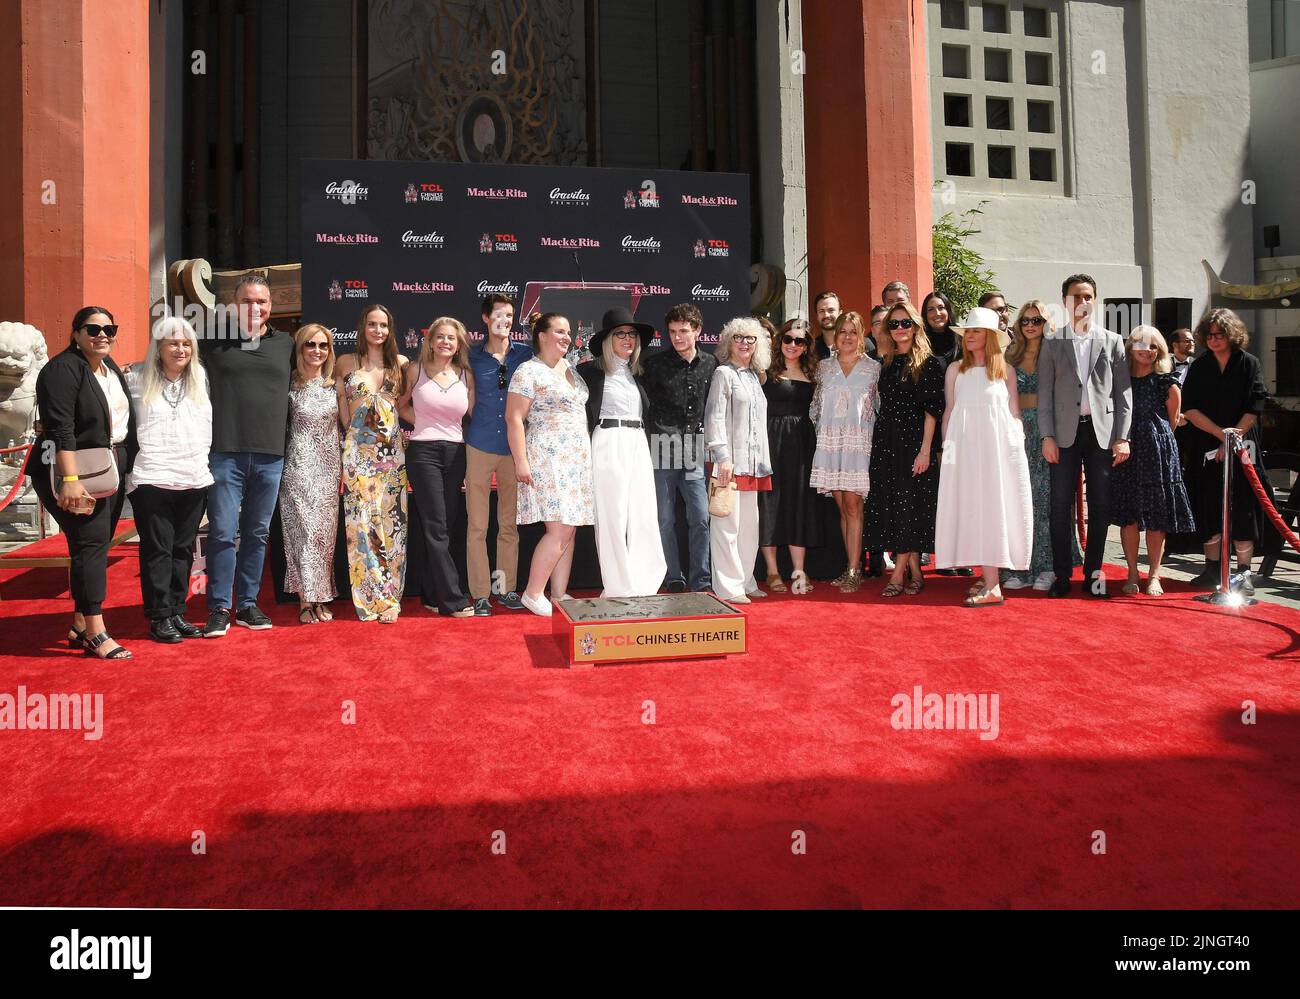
<point>633,629</point>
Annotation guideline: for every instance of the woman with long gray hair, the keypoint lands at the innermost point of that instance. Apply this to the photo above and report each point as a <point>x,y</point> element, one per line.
<point>168,484</point>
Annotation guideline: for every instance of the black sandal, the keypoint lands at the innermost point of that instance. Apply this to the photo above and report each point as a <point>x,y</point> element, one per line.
<point>91,644</point>
<point>75,636</point>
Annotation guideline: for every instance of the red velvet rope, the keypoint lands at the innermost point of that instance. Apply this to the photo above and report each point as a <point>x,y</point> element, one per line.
<point>22,471</point>
<point>1266,504</point>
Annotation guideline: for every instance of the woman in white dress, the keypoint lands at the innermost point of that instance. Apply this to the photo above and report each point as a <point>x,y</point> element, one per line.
<point>844,412</point>
<point>985,513</point>
<point>552,457</point>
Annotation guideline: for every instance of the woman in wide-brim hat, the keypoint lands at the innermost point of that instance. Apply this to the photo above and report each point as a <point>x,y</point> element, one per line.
<point>985,510</point>
<point>627,521</point>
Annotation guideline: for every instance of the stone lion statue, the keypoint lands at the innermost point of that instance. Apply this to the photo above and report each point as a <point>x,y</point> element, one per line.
<point>22,355</point>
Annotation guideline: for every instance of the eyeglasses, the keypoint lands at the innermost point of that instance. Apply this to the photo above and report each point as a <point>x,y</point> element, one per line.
<point>501,376</point>
<point>315,345</point>
<point>625,335</point>
<point>786,338</point>
<point>744,338</point>
<point>900,324</point>
<point>94,329</point>
<point>1216,335</point>
<point>1032,321</point>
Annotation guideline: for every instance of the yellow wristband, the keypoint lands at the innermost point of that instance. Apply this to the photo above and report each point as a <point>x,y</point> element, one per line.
<point>71,478</point>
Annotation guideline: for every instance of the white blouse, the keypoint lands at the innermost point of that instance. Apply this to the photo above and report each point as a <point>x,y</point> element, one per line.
<point>621,399</point>
<point>119,406</point>
<point>174,441</point>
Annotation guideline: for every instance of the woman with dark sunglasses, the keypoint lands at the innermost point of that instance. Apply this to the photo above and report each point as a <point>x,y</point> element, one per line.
<point>902,504</point>
<point>1028,332</point>
<point>787,515</point>
<point>85,404</point>
<point>309,487</point>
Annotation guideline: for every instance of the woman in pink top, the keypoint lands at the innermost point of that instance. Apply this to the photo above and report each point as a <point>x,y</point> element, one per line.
<point>437,392</point>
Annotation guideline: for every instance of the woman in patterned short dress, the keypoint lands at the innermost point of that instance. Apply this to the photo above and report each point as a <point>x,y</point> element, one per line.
<point>844,412</point>
<point>374,468</point>
<point>552,456</point>
<point>309,488</point>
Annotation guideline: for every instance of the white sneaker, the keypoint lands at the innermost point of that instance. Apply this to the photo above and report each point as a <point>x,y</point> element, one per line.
<point>1044,581</point>
<point>1015,583</point>
<point>541,606</point>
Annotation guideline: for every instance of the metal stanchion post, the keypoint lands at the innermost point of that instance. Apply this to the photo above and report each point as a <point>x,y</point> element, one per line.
<point>1223,593</point>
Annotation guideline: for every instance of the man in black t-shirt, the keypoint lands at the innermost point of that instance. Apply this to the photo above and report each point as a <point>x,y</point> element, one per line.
<point>248,380</point>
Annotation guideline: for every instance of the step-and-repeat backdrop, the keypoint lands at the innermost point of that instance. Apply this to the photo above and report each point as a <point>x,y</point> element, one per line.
<point>432,239</point>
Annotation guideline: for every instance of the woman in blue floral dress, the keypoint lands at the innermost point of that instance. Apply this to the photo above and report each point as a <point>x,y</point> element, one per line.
<point>1147,491</point>
<point>1028,334</point>
<point>374,468</point>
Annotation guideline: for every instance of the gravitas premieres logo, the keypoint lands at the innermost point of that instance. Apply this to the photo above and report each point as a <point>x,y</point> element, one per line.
<point>423,241</point>
<point>571,242</point>
<point>91,953</point>
<point>647,245</point>
<point>504,288</point>
<point>718,294</point>
<point>496,193</point>
<point>347,192</point>
<point>578,197</point>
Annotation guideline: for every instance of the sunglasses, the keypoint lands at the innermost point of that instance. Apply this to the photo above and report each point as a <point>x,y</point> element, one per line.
<point>786,338</point>
<point>900,324</point>
<point>744,338</point>
<point>315,345</point>
<point>1033,321</point>
<point>94,329</point>
<point>501,376</point>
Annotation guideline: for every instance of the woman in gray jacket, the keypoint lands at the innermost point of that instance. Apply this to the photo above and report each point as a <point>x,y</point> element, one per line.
<point>735,435</point>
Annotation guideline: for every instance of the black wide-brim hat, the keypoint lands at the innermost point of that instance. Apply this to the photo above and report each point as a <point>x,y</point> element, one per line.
<point>611,321</point>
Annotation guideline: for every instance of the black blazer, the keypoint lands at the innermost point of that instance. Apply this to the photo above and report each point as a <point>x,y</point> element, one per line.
<point>73,410</point>
<point>594,375</point>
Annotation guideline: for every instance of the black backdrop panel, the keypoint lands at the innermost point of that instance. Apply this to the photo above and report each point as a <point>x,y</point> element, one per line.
<point>431,239</point>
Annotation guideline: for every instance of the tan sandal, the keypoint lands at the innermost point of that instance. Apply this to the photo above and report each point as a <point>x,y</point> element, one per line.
<point>985,600</point>
<point>323,613</point>
<point>775,583</point>
<point>914,586</point>
<point>976,589</point>
<point>307,615</point>
<point>892,590</point>
<point>799,582</point>
<point>852,581</point>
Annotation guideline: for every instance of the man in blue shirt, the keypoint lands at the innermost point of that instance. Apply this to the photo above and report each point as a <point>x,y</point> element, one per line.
<point>493,361</point>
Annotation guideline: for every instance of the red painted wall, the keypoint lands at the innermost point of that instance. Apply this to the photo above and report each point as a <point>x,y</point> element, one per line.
<point>867,143</point>
<point>74,104</point>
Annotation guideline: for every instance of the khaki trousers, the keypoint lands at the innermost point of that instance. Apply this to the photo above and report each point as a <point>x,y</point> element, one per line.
<point>479,466</point>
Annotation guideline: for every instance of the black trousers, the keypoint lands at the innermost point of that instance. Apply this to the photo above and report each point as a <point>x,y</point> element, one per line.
<point>436,470</point>
<point>167,521</point>
<point>89,536</point>
<point>1064,476</point>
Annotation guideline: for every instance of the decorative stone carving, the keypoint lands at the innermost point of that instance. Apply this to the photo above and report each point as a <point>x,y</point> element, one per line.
<point>477,83</point>
<point>22,355</point>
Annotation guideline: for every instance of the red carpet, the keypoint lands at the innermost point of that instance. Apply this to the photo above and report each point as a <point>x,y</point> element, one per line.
<point>1123,718</point>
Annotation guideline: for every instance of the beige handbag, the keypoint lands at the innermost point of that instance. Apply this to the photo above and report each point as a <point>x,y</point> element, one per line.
<point>722,499</point>
<point>96,471</point>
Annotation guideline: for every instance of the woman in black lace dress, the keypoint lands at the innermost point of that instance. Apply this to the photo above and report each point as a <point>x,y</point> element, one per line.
<point>902,504</point>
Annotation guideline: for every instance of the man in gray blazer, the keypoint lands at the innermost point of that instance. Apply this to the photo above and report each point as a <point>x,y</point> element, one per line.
<point>1085,407</point>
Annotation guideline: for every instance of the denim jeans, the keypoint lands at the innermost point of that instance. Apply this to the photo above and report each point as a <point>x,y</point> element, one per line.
<point>668,483</point>
<point>240,503</point>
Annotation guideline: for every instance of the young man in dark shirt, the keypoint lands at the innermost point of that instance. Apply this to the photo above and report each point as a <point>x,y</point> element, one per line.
<point>677,385</point>
<point>248,378</point>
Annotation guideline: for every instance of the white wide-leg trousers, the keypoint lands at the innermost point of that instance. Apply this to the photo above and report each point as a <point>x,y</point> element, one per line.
<point>627,513</point>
